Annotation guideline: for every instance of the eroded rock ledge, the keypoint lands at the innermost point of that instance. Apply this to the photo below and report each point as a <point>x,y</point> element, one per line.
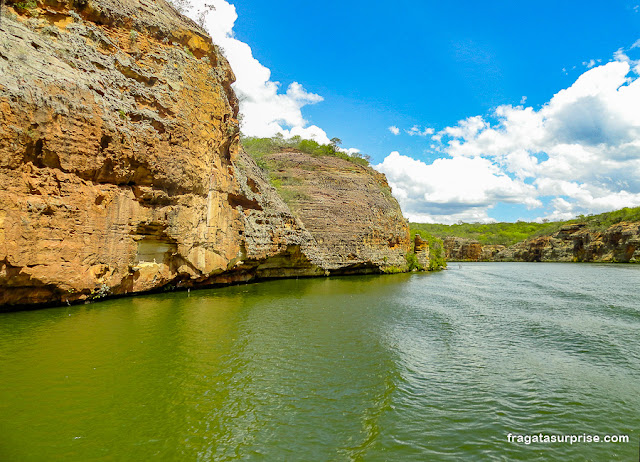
<point>122,172</point>
<point>572,243</point>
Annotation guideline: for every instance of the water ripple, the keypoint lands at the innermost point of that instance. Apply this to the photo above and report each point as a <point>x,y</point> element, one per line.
<point>407,367</point>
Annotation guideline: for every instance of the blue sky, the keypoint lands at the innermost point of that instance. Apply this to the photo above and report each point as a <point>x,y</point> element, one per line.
<point>445,68</point>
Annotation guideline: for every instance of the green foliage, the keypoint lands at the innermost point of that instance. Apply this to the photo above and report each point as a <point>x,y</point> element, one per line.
<point>258,148</point>
<point>32,134</point>
<point>412,262</point>
<point>123,115</point>
<point>485,233</point>
<point>437,258</point>
<point>603,220</point>
<point>133,37</point>
<point>393,270</point>
<point>100,292</point>
<point>290,196</point>
<point>25,6</point>
<point>510,233</point>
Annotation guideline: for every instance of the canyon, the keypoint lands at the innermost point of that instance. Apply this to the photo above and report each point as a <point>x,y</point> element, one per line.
<point>123,171</point>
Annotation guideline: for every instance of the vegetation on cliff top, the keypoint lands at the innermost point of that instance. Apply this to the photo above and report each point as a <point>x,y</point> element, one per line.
<point>485,233</point>
<point>260,147</point>
<point>287,184</point>
<point>510,233</point>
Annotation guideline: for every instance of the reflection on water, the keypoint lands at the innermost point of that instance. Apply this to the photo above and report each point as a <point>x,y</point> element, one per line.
<point>405,367</point>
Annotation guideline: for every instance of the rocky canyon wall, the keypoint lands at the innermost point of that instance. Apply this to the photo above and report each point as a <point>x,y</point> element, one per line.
<point>356,223</point>
<point>572,243</point>
<point>121,170</point>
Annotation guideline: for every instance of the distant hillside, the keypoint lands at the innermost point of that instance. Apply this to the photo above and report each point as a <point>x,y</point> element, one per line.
<point>511,233</point>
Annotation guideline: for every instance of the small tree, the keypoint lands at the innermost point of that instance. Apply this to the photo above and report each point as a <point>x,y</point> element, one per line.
<point>181,6</point>
<point>202,16</point>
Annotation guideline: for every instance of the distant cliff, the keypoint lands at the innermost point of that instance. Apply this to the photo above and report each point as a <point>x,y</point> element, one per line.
<point>348,208</point>
<point>122,170</point>
<point>574,242</point>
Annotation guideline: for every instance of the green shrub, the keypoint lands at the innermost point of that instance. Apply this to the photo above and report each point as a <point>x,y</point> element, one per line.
<point>412,262</point>
<point>485,233</point>
<point>437,258</point>
<point>510,233</point>
<point>26,6</point>
<point>260,147</point>
<point>133,37</point>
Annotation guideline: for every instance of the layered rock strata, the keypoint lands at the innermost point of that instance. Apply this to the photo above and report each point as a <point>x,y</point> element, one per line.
<point>460,249</point>
<point>120,164</point>
<point>421,250</point>
<point>572,243</point>
<point>348,208</point>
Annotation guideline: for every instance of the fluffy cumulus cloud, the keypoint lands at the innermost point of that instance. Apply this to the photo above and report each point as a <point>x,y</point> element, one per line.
<point>266,109</point>
<point>461,188</point>
<point>395,130</point>
<point>580,151</point>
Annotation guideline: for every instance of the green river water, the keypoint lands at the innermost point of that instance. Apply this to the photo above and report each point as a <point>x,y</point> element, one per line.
<point>439,366</point>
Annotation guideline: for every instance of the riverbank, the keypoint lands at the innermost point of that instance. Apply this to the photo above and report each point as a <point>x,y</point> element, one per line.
<point>606,237</point>
<point>620,243</point>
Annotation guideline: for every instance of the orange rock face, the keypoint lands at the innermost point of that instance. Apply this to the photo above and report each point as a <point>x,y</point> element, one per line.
<point>575,242</point>
<point>120,163</point>
<point>461,249</point>
<point>421,249</point>
<point>118,134</point>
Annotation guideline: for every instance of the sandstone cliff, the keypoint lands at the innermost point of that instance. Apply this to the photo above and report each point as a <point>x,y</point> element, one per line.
<point>348,208</point>
<point>572,243</point>
<point>421,251</point>
<point>121,167</point>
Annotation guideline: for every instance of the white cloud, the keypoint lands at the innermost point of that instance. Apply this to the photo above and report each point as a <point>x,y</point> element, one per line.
<point>395,130</point>
<point>312,132</point>
<point>350,151</point>
<point>580,152</point>
<point>449,190</point>
<point>416,131</point>
<point>266,110</point>
<point>583,145</point>
<point>589,64</point>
